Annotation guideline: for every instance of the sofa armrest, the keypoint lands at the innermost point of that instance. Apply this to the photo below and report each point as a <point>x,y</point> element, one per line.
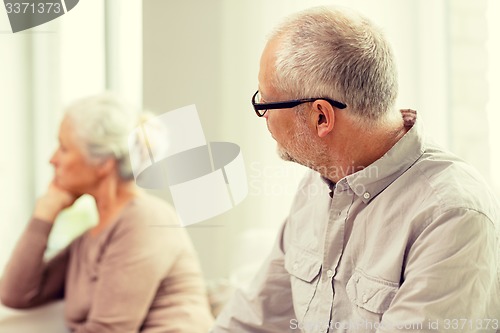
<point>46,318</point>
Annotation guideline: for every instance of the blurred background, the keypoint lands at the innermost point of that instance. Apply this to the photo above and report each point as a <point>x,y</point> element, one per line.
<point>162,55</point>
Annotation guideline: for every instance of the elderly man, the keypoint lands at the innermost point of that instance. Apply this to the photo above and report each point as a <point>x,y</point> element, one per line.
<point>388,232</point>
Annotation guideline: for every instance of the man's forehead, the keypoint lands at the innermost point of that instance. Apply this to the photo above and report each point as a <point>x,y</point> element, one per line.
<point>267,67</point>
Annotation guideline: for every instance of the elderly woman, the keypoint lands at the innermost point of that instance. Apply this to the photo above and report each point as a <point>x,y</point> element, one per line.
<point>135,271</point>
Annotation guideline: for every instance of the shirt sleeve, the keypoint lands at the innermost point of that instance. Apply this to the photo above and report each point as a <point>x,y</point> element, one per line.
<point>136,259</point>
<point>450,283</point>
<point>266,307</point>
<point>28,281</point>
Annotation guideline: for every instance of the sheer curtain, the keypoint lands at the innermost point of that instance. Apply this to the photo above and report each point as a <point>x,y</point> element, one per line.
<point>43,70</point>
<point>48,66</point>
<point>16,130</point>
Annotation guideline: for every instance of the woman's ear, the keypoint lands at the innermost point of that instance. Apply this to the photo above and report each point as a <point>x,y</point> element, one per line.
<point>106,167</point>
<point>324,116</point>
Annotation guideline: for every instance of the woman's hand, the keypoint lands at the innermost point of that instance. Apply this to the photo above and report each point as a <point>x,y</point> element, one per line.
<point>55,199</point>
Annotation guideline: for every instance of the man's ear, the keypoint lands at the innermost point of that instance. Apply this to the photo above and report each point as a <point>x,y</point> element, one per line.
<point>324,117</point>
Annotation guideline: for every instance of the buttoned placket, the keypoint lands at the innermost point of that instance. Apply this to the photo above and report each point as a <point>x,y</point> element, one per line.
<point>333,245</point>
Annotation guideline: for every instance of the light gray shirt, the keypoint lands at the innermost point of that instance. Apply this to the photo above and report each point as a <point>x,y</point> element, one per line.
<point>408,244</point>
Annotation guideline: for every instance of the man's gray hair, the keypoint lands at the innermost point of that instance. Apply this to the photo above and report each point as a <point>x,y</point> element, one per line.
<point>102,125</point>
<point>328,52</point>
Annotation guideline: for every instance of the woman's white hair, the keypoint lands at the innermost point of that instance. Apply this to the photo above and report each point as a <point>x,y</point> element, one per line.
<point>328,52</point>
<point>103,124</point>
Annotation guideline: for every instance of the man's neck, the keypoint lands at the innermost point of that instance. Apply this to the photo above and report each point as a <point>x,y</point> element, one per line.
<point>357,149</point>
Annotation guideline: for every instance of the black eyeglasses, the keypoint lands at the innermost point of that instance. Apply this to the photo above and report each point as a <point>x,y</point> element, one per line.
<point>261,108</point>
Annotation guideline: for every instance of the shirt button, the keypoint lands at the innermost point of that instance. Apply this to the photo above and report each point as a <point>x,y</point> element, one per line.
<point>295,266</point>
<point>365,299</point>
<point>366,195</point>
<point>329,273</point>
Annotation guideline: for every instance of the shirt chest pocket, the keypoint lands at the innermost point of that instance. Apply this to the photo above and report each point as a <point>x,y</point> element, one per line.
<point>370,296</point>
<point>304,269</point>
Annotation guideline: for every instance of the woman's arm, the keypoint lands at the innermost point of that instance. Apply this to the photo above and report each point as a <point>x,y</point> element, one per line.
<point>28,281</point>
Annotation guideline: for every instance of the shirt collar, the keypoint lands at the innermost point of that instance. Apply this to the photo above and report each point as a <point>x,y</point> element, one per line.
<point>372,180</point>
<point>331,185</point>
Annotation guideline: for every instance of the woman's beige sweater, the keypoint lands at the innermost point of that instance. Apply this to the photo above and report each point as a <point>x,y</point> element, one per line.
<point>140,274</point>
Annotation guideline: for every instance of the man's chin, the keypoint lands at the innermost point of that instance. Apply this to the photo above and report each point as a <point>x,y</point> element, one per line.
<point>284,155</point>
